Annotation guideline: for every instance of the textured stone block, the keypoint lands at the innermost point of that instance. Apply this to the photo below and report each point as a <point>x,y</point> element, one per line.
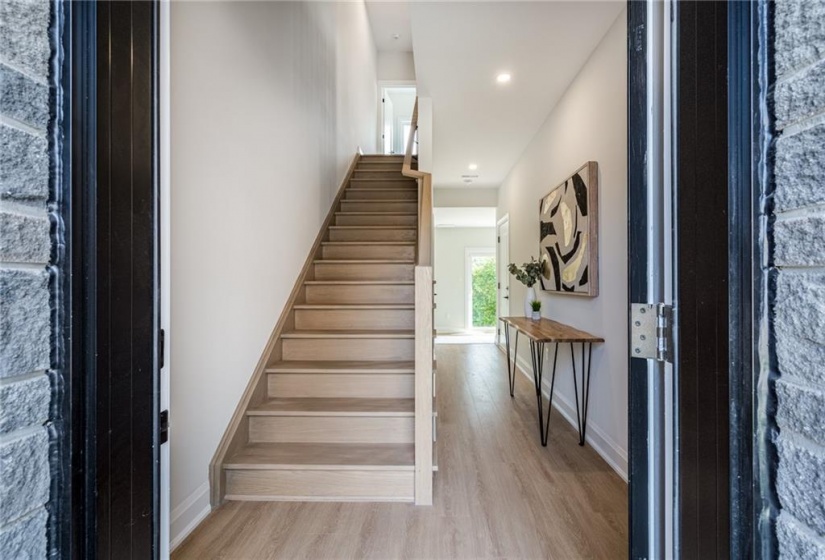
<point>24,37</point>
<point>24,239</point>
<point>24,165</point>
<point>801,409</point>
<point>797,542</point>
<point>800,169</point>
<point>25,538</point>
<point>800,305</point>
<point>800,96</point>
<point>800,480</point>
<point>800,33</point>
<point>25,321</point>
<point>24,403</point>
<point>24,475</point>
<point>23,99</point>
<point>800,241</point>
<point>801,358</point>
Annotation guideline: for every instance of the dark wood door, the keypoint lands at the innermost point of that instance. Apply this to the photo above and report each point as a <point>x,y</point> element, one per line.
<point>126,378</point>
<point>702,279</point>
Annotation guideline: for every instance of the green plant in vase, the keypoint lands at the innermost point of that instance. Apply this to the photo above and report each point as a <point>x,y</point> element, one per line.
<point>535,305</point>
<point>528,274</point>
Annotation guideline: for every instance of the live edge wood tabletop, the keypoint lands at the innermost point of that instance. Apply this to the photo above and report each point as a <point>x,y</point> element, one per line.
<point>540,333</point>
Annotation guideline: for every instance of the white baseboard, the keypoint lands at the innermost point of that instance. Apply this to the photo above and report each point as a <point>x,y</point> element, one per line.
<point>601,443</point>
<point>189,514</point>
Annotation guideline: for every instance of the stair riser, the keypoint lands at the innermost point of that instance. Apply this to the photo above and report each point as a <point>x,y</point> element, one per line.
<point>343,293</point>
<point>381,158</point>
<point>348,349</point>
<point>375,220</point>
<point>341,385</point>
<point>393,252</point>
<point>401,184</point>
<point>326,485</point>
<point>381,194</point>
<point>364,206</point>
<point>373,165</point>
<point>377,174</point>
<point>363,271</point>
<point>372,234</point>
<point>361,319</point>
<point>331,429</point>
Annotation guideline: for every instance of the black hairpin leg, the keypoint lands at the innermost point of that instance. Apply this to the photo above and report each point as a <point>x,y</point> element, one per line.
<point>511,372</point>
<point>581,417</point>
<point>537,355</point>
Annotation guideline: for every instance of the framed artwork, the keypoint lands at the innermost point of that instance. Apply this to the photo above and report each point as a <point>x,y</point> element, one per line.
<point>569,236</point>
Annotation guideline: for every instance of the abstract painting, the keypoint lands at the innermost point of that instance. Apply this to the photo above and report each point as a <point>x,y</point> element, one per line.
<point>569,245</point>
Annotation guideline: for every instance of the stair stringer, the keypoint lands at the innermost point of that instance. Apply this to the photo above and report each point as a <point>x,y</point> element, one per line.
<point>236,432</point>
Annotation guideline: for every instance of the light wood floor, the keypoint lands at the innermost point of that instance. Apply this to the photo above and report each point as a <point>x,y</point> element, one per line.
<point>498,493</point>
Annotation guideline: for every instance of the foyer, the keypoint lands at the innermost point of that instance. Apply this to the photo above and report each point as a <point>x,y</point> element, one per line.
<point>498,493</point>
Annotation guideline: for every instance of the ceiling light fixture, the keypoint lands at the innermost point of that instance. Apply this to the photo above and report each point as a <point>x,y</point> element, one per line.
<point>472,167</point>
<point>503,78</point>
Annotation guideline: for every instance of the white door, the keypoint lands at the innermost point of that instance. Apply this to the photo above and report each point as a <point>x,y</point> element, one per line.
<point>502,260</point>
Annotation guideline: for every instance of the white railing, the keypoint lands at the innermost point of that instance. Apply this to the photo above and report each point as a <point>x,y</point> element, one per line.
<point>423,324</point>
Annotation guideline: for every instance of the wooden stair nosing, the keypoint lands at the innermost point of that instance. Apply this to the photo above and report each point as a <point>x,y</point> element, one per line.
<point>323,456</point>
<point>364,261</point>
<point>320,406</point>
<point>342,367</point>
<point>353,334</point>
<point>356,306</point>
<point>360,282</point>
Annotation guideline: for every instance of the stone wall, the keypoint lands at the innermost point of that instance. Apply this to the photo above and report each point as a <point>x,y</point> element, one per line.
<point>799,260</point>
<point>25,253</point>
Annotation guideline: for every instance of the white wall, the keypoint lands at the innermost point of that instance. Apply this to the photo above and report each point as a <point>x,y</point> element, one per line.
<point>450,273</point>
<point>269,104</point>
<point>465,198</point>
<point>396,66</point>
<point>588,123</point>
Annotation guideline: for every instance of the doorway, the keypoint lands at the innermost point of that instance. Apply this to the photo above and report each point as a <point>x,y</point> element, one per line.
<point>397,103</point>
<point>480,273</point>
<point>503,283</point>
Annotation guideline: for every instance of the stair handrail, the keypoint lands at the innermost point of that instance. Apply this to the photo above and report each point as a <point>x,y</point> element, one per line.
<point>424,300</point>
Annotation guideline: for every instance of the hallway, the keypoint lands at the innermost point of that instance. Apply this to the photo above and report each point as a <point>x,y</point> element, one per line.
<point>498,494</point>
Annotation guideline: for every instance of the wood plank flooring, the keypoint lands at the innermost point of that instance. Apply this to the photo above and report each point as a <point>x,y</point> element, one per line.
<point>498,493</point>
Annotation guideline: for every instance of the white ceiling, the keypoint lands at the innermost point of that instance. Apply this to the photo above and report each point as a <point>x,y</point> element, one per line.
<point>460,48</point>
<point>387,19</point>
<point>464,217</point>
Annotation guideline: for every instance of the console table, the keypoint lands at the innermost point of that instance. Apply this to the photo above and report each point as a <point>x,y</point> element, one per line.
<point>542,332</point>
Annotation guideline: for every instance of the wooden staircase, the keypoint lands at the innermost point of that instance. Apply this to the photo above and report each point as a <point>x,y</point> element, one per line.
<point>330,411</point>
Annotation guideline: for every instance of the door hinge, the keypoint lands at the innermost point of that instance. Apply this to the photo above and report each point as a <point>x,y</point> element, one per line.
<point>499,239</point>
<point>161,348</point>
<point>651,331</point>
<point>164,426</point>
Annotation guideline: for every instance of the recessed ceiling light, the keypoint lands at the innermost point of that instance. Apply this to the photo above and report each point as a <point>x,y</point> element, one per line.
<point>472,167</point>
<point>503,78</point>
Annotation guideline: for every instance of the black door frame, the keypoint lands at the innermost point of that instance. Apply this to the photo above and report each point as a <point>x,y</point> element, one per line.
<point>752,504</point>
<point>107,503</point>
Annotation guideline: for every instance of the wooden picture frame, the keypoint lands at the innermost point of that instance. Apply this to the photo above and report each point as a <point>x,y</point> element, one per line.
<point>569,234</point>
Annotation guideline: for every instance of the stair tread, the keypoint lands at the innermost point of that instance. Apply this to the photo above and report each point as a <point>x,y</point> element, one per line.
<point>361,282</point>
<point>364,261</point>
<point>372,227</point>
<point>378,201</point>
<point>372,243</point>
<point>385,179</point>
<point>354,306</point>
<point>346,213</point>
<point>342,366</point>
<point>349,334</point>
<point>305,406</point>
<point>323,456</point>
